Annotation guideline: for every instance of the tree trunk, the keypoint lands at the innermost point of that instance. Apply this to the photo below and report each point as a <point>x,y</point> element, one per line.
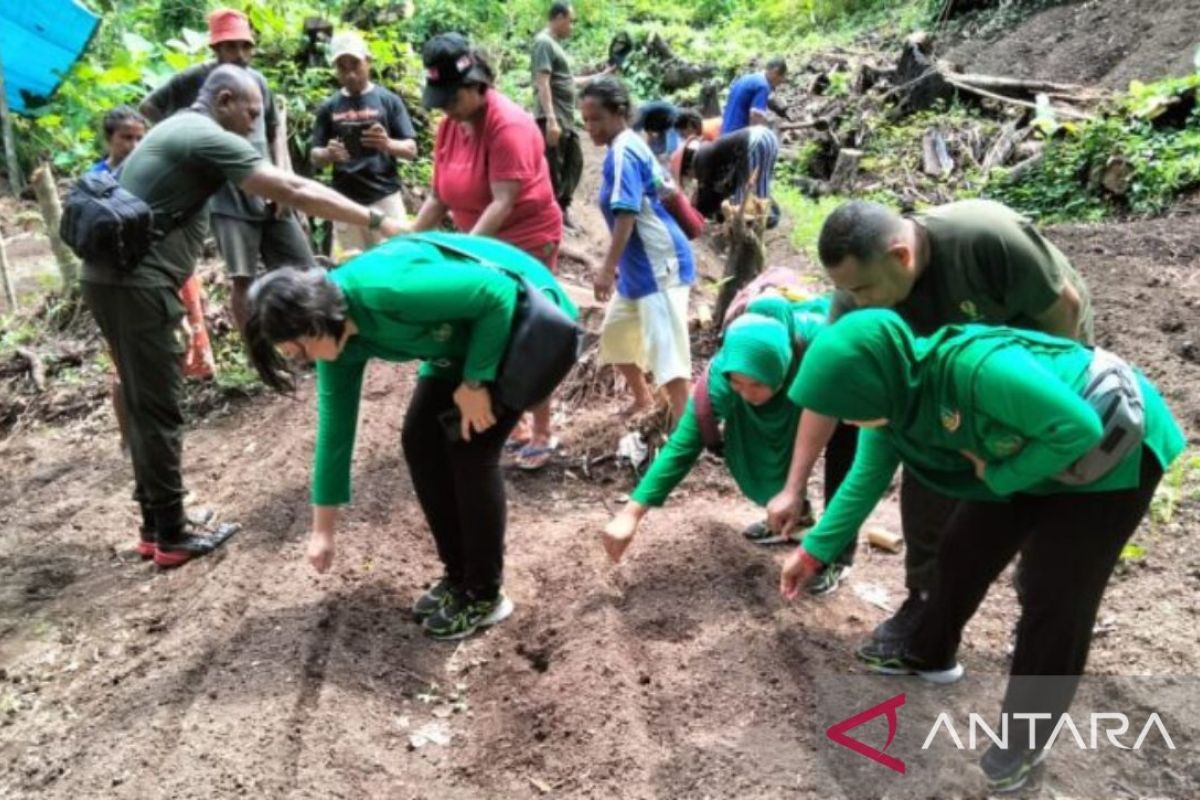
<point>51,207</point>
<point>15,181</point>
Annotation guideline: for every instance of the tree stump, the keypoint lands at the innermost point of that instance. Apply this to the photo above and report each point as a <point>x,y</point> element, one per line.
<point>845,170</point>
<point>747,255</point>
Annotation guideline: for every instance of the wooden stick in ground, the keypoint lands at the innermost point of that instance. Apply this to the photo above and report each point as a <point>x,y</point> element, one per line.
<point>10,296</point>
<point>51,208</point>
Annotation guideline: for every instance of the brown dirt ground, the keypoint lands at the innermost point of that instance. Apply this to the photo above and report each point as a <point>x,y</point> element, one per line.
<point>679,674</point>
<point>1101,42</point>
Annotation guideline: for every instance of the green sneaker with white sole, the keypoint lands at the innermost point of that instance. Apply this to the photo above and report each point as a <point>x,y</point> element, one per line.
<point>462,615</point>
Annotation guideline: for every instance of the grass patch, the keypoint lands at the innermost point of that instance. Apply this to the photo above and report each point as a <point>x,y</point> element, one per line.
<point>807,215</point>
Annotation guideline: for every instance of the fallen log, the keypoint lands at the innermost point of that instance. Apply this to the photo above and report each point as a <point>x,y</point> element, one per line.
<point>1002,98</point>
<point>1002,148</point>
<point>1025,167</point>
<point>999,83</point>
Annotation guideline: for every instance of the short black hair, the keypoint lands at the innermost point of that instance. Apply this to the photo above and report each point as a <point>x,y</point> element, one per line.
<point>610,93</point>
<point>858,229</point>
<point>777,65</point>
<point>559,9</point>
<point>688,118</point>
<point>120,115</point>
<point>285,304</point>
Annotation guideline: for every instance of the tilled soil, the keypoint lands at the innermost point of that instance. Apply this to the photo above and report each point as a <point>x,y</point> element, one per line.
<point>680,673</point>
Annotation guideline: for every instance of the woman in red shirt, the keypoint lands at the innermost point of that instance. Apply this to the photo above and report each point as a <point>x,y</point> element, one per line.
<point>490,176</point>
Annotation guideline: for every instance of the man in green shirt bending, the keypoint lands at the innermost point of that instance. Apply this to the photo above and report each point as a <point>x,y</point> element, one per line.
<point>971,261</point>
<point>180,164</point>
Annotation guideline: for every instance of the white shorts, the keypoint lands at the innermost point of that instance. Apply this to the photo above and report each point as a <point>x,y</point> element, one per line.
<point>353,239</point>
<point>651,332</point>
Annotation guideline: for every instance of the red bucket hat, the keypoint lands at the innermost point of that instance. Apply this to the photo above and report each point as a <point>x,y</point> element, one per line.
<point>229,25</point>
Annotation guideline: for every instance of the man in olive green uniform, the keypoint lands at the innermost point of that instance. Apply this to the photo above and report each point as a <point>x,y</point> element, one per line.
<point>181,163</point>
<point>246,228</point>
<point>971,261</point>
<point>554,105</point>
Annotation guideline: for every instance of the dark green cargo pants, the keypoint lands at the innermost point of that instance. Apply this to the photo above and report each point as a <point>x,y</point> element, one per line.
<point>141,326</point>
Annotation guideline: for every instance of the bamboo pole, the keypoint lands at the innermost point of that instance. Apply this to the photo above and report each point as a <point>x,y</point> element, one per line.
<point>10,143</point>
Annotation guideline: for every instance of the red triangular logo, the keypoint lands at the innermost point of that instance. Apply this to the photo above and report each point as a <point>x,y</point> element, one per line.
<point>837,733</point>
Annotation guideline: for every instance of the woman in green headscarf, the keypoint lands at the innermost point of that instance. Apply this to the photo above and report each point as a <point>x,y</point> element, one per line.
<point>996,417</point>
<point>748,381</point>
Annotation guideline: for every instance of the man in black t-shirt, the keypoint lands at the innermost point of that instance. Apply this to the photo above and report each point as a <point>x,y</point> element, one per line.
<point>246,227</point>
<point>361,130</point>
<point>722,169</point>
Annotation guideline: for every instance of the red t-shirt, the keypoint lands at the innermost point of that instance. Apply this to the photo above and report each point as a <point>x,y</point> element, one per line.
<point>509,147</point>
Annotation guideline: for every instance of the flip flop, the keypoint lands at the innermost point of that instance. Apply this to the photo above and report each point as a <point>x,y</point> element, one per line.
<point>531,457</point>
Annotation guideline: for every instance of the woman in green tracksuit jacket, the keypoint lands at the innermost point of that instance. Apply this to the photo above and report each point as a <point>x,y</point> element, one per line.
<point>748,383</point>
<point>442,299</point>
<point>992,416</point>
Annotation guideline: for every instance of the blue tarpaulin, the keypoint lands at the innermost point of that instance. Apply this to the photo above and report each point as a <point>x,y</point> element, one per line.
<point>39,41</point>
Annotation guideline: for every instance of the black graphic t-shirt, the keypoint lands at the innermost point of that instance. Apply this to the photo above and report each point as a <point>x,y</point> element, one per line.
<point>369,175</point>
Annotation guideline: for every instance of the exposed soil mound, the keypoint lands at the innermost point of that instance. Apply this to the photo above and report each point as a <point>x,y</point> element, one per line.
<point>1103,42</point>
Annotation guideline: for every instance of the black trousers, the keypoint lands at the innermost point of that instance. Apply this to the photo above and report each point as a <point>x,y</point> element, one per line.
<point>566,164</point>
<point>141,326</point>
<point>923,512</point>
<point>839,456</point>
<point>460,488</point>
<point>1069,545</point>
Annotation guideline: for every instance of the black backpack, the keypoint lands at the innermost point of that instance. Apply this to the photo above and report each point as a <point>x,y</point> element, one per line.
<point>105,224</point>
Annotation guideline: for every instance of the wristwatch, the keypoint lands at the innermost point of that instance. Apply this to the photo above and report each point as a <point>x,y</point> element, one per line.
<point>474,385</point>
<point>376,219</point>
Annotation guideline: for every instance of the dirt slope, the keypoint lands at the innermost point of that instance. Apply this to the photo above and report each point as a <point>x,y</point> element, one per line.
<point>1102,42</point>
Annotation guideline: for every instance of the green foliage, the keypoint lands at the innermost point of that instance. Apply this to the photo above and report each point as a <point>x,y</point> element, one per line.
<point>1164,157</point>
<point>1180,483</point>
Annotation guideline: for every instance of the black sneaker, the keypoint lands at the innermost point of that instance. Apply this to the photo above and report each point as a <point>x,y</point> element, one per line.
<point>429,603</point>
<point>461,615</point>
<point>187,544</point>
<point>890,658</point>
<point>1007,770</point>
<point>759,533</point>
<point>901,625</point>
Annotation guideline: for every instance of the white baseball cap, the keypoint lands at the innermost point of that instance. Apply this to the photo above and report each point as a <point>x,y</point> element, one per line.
<point>348,43</point>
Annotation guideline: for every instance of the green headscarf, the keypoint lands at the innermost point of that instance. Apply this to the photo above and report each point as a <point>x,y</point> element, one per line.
<point>866,366</point>
<point>759,345</point>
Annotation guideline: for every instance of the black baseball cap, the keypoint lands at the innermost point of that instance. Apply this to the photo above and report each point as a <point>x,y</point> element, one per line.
<point>449,64</point>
